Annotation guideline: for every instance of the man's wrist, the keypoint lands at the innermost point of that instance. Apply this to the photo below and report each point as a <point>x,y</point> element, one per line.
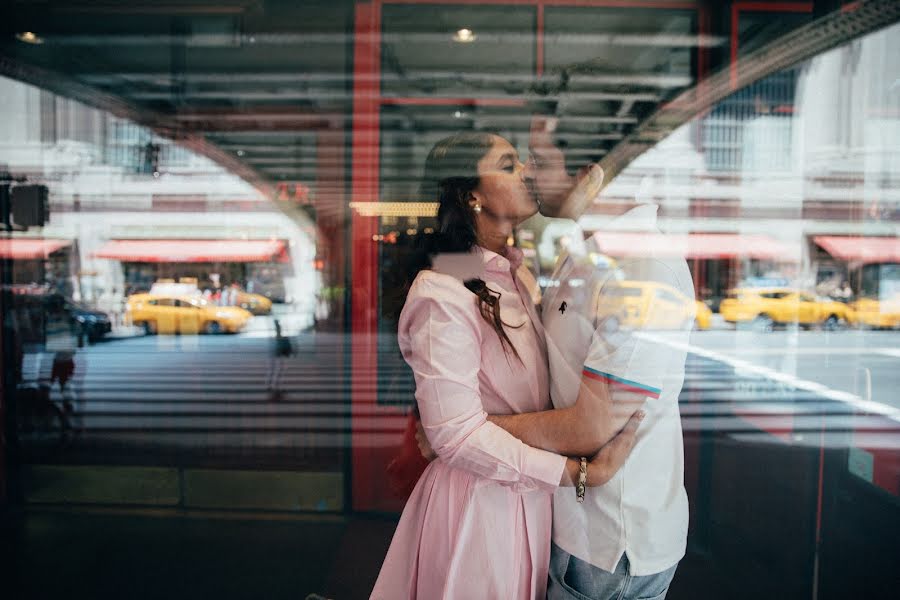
<point>598,472</point>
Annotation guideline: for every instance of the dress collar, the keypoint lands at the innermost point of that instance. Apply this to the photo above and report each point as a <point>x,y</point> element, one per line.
<point>507,262</point>
<point>477,262</point>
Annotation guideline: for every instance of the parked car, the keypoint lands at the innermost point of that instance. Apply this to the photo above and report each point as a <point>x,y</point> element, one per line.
<point>45,316</point>
<point>183,314</point>
<point>650,305</point>
<point>92,324</point>
<point>765,308</point>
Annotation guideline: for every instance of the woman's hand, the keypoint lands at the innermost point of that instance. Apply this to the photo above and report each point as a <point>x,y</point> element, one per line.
<point>424,447</point>
<point>613,455</point>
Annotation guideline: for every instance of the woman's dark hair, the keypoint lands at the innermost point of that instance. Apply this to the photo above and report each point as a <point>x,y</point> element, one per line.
<point>450,177</point>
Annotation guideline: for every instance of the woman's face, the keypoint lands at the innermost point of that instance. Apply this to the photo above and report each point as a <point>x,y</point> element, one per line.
<point>501,189</point>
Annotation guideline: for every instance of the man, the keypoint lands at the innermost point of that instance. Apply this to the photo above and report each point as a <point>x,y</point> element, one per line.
<point>626,539</point>
<point>607,359</point>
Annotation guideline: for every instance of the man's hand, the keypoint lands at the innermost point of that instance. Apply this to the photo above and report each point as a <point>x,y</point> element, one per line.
<point>424,447</point>
<point>612,456</point>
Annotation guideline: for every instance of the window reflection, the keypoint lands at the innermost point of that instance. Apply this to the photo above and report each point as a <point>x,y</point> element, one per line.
<point>202,312</point>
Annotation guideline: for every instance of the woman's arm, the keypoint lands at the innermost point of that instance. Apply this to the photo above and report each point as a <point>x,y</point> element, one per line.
<point>579,430</point>
<point>439,337</point>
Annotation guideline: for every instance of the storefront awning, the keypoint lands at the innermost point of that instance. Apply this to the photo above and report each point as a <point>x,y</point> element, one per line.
<point>696,245</point>
<point>30,248</point>
<point>865,249</point>
<point>181,251</point>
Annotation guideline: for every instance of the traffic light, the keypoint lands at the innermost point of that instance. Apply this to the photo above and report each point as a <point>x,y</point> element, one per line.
<point>30,205</point>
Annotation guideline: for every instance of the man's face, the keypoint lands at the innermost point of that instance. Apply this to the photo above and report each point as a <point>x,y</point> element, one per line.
<point>545,172</point>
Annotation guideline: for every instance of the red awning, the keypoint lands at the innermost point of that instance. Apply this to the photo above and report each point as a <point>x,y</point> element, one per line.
<point>175,251</point>
<point>30,248</point>
<point>696,245</point>
<point>865,249</point>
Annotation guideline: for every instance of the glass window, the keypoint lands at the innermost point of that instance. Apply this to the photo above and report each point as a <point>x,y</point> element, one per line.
<point>395,224</point>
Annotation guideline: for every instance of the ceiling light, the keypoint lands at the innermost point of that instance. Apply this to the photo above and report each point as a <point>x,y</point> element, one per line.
<point>464,36</point>
<point>29,37</point>
<point>458,114</point>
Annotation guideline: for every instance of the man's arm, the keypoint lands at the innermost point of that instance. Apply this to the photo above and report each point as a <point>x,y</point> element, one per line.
<point>599,413</point>
<point>602,467</point>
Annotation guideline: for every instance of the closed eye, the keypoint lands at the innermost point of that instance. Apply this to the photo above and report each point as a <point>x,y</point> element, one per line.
<point>507,162</point>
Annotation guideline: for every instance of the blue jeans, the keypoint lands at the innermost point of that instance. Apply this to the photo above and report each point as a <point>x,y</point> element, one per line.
<point>573,579</point>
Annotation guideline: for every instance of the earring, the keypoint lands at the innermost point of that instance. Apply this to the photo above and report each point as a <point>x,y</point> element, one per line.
<point>476,206</point>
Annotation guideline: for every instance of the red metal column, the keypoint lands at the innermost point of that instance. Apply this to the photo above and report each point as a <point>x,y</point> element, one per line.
<point>364,255</point>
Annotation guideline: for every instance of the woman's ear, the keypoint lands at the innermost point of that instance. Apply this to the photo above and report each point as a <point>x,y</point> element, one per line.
<point>475,202</point>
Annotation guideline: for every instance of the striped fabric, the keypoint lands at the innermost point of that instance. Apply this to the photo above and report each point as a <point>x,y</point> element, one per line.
<point>621,383</point>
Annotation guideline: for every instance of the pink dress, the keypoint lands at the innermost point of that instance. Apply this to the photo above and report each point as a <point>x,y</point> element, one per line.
<point>477,524</point>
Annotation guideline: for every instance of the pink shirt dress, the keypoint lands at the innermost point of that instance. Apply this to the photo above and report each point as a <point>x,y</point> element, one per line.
<point>477,524</point>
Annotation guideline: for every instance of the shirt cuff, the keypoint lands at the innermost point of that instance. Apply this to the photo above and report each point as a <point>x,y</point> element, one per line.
<point>546,468</point>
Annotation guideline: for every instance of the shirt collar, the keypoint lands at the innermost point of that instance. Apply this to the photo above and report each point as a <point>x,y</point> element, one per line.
<point>508,262</point>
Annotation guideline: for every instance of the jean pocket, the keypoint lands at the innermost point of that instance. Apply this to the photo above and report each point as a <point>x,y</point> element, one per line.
<point>560,575</point>
<point>577,582</point>
<point>572,591</point>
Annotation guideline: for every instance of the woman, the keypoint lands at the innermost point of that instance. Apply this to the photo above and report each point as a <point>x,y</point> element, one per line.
<point>477,524</point>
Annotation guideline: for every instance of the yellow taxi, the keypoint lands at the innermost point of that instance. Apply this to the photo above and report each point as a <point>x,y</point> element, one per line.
<point>650,305</point>
<point>187,286</point>
<point>255,303</point>
<point>764,308</point>
<point>878,314</point>
<point>703,315</point>
<point>168,314</point>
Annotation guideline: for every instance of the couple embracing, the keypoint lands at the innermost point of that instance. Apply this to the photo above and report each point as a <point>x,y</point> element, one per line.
<point>557,444</point>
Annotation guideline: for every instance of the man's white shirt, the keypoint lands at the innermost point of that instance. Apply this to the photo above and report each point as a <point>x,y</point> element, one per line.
<point>643,510</point>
